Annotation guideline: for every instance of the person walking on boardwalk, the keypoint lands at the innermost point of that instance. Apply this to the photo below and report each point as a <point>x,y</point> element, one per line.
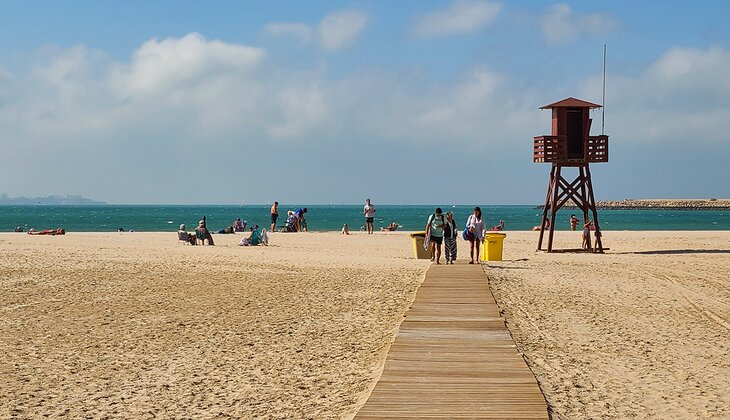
<point>274,215</point>
<point>435,233</point>
<point>450,234</point>
<point>474,232</point>
<point>369,212</point>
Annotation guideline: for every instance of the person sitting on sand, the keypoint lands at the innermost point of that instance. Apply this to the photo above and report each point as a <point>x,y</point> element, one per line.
<point>239,226</point>
<point>184,236</point>
<point>202,233</point>
<point>499,227</point>
<point>345,229</point>
<point>292,222</point>
<point>255,238</point>
<point>390,228</point>
<point>546,226</point>
<point>53,232</point>
<point>587,235</point>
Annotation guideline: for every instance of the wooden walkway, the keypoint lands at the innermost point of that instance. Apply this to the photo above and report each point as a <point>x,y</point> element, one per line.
<point>454,358</point>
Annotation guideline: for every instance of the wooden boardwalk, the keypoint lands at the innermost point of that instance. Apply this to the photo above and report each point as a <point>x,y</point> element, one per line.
<point>454,358</point>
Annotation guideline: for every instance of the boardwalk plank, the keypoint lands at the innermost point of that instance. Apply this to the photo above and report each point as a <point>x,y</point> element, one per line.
<point>453,357</point>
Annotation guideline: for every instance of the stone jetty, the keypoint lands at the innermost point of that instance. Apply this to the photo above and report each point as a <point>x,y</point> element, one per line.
<point>667,204</point>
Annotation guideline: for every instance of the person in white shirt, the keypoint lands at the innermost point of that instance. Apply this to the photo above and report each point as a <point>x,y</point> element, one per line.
<point>475,232</point>
<point>369,212</point>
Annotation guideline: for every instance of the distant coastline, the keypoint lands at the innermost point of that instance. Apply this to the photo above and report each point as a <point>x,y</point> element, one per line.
<point>49,200</point>
<point>661,204</point>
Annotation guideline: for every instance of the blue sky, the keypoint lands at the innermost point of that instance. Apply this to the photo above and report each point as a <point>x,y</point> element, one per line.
<point>405,102</point>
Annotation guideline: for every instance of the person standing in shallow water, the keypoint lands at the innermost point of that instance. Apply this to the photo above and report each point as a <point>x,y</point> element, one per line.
<point>369,212</point>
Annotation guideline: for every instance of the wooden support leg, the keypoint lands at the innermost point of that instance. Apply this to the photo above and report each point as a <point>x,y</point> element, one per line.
<point>545,207</point>
<point>553,208</point>
<point>583,193</point>
<point>592,202</point>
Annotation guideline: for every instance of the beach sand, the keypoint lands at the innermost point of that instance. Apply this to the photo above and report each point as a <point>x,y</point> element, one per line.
<point>640,332</point>
<point>136,325</point>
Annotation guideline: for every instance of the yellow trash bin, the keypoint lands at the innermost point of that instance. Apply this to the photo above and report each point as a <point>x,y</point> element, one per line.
<point>492,246</point>
<point>418,238</point>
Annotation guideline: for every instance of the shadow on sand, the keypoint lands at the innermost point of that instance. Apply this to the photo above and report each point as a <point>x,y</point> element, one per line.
<point>503,267</point>
<point>679,251</point>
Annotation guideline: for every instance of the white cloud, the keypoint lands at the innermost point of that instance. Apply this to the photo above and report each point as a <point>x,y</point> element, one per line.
<point>158,66</point>
<point>340,29</point>
<point>336,31</point>
<point>186,87</point>
<point>560,23</point>
<point>462,17</point>
<point>680,96</point>
<point>298,31</point>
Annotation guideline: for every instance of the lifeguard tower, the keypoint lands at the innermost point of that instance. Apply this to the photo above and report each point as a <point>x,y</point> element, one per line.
<point>570,146</point>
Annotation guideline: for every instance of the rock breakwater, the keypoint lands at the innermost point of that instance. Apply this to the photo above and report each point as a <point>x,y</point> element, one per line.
<point>668,204</point>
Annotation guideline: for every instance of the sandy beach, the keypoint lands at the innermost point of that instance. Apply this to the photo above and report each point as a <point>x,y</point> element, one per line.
<point>136,325</point>
<point>640,332</point>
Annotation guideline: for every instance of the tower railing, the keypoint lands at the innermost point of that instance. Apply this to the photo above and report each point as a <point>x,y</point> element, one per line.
<point>550,148</point>
<point>597,148</point>
<point>555,149</point>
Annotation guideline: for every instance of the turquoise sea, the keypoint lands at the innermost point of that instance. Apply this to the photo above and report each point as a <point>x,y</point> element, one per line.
<point>331,217</point>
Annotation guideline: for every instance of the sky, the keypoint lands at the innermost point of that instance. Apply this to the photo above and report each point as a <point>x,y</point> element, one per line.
<point>407,102</point>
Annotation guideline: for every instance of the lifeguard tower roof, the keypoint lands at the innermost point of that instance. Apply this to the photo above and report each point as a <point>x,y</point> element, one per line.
<point>571,103</point>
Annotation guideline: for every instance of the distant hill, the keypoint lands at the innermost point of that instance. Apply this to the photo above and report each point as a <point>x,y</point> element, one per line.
<point>50,200</point>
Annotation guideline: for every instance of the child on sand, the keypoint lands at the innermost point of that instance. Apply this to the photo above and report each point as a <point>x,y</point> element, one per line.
<point>587,235</point>
<point>345,229</point>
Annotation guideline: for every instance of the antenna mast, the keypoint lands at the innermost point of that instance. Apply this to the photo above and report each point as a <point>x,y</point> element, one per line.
<point>603,108</point>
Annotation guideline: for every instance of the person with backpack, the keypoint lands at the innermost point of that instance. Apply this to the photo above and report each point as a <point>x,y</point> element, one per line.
<point>435,233</point>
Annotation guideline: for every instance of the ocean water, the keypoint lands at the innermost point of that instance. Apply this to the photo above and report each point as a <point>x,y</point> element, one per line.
<point>331,217</point>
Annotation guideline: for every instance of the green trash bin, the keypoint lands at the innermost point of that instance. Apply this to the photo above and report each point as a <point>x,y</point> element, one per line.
<point>418,239</point>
